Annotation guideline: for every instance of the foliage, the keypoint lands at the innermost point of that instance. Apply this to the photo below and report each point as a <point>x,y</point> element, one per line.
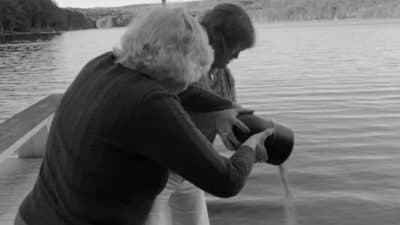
<point>44,15</point>
<point>263,10</point>
<point>39,15</point>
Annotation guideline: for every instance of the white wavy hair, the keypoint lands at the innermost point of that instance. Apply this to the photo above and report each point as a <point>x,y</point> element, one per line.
<point>167,44</point>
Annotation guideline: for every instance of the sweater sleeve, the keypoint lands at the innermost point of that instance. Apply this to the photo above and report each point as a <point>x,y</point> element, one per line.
<point>197,99</point>
<point>172,140</point>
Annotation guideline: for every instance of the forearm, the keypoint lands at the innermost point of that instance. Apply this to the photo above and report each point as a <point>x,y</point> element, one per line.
<point>242,162</point>
<point>205,122</point>
<point>182,148</point>
<point>197,99</point>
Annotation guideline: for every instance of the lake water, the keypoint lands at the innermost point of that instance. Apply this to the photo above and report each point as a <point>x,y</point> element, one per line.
<point>337,84</point>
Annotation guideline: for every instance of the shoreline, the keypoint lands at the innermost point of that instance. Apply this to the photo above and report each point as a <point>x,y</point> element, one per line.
<point>30,33</point>
<point>348,21</point>
<point>6,37</point>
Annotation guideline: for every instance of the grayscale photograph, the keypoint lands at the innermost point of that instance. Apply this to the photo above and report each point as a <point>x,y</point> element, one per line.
<point>199,112</point>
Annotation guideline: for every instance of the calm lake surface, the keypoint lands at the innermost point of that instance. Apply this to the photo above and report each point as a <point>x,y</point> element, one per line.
<point>337,84</point>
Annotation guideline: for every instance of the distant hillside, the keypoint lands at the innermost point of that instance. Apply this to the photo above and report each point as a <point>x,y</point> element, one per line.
<point>39,16</point>
<point>116,16</point>
<point>262,10</point>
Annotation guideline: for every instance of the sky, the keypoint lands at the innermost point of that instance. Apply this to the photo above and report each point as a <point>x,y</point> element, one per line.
<point>106,3</point>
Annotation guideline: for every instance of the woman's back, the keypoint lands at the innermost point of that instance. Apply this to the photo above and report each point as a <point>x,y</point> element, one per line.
<point>91,169</point>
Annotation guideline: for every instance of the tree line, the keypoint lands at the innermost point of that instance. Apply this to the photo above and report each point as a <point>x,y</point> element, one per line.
<point>45,15</point>
<point>39,16</point>
<point>263,10</point>
<point>298,10</point>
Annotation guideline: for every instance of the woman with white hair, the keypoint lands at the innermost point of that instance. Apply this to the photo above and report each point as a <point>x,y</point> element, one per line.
<point>120,129</point>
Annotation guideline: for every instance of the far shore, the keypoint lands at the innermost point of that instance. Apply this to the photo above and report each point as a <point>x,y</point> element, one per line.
<point>8,33</point>
<point>331,21</point>
<point>9,36</point>
<point>6,37</point>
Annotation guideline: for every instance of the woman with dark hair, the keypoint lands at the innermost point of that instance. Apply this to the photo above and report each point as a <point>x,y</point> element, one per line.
<point>120,128</point>
<point>230,31</point>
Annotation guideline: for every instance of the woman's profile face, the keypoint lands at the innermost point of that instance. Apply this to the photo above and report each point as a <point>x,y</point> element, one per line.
<point>223,54</point>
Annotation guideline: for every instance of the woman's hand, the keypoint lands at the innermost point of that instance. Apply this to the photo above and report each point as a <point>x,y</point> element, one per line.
<point>256,142</point>
<point>225,120</point>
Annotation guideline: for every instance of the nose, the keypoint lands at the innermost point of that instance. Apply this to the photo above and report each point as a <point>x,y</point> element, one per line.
<point>235,56</point>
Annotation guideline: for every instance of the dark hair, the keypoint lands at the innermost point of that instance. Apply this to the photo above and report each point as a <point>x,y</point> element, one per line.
<point>230,22</point>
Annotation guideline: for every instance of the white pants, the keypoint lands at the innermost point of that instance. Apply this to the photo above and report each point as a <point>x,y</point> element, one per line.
<point>180,203</point>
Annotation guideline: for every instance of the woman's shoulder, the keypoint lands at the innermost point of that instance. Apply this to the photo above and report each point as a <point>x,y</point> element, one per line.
<point>157,92</point>
<point>106,58</point>
<point>144,89</point>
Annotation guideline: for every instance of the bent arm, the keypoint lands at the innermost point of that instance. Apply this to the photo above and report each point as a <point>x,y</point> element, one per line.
<point>197,99</point>
<point>173,141</point>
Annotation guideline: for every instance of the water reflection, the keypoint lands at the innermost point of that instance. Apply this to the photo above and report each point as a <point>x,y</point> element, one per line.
<point>336,84</point>
<point>33,69</point>
<point>26,69</point>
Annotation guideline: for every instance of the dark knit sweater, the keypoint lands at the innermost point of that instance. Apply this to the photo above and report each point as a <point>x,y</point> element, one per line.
<point>113,139</point>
